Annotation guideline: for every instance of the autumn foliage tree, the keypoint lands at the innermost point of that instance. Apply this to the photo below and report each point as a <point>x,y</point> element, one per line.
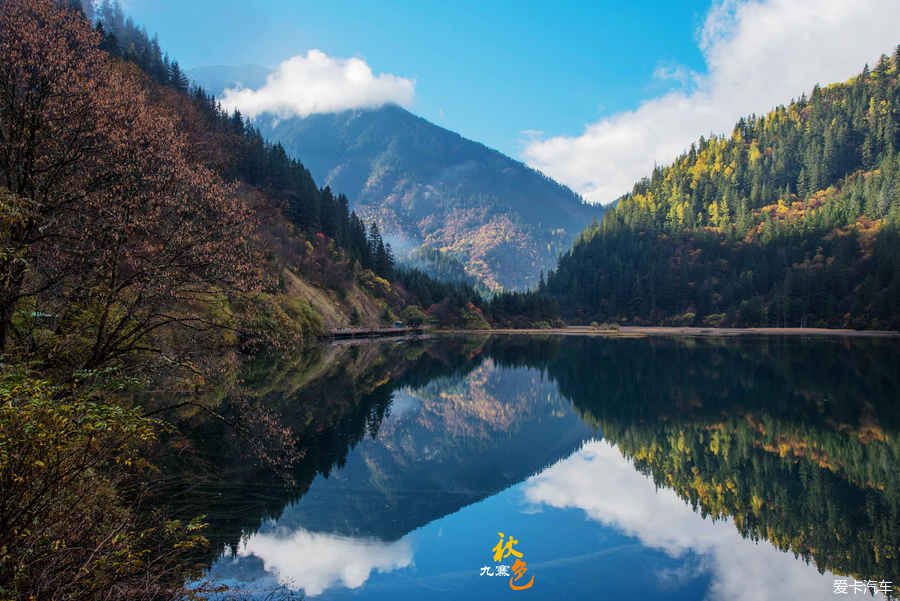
<point>792,220</point>
<point>117,238</point>
<point>67,531</point>
<point>106,222</point>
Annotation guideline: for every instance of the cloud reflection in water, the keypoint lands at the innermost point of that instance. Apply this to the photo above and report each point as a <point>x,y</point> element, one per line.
<point>605,485</point>
<point>317,561</point>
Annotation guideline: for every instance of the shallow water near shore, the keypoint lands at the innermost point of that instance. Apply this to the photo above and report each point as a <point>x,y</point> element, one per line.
<point>670,468</point>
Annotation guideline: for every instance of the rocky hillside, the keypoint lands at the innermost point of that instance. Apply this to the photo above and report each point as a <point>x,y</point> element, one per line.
<point>427,185</point>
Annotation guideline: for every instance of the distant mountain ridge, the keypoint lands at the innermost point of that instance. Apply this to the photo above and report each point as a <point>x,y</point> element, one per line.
<point>504,220</point>
<point>426,185</point>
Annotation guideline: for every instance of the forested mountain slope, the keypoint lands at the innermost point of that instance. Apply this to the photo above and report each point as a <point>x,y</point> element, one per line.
<point>428,185</point>
<point>791,220</point>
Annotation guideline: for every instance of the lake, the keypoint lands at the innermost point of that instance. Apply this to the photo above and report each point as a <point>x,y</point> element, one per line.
<point>514,466</point>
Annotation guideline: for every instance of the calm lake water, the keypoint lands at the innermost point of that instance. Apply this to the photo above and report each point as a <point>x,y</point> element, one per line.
<point>657,468</point>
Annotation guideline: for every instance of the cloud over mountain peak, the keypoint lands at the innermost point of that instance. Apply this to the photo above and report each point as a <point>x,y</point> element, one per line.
<point>318,83</point>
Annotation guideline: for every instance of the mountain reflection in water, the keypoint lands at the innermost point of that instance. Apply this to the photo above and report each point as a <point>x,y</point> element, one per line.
<point>716,458</point>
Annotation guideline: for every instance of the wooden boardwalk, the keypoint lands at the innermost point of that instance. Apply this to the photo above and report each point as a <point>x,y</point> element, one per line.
<point>377,332</point>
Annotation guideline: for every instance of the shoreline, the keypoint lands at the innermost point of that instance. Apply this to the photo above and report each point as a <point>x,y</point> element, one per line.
<point>641,331</point>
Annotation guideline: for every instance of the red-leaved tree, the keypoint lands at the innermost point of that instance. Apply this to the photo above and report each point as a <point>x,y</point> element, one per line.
<point>106,223</point>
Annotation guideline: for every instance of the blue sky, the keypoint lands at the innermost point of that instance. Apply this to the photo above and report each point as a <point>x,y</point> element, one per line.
<point>590,92</point>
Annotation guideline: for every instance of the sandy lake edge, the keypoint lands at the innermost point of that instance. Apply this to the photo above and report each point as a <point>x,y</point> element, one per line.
<point>639,331</point>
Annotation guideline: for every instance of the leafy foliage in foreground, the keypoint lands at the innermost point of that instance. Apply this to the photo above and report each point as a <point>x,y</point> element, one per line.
<point>68,525</point>
<point>121,241</point>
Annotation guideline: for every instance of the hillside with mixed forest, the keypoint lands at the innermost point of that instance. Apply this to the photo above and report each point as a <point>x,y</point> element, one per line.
<point>792,220</point>
<point>426,185</point>
<point>152,242</point>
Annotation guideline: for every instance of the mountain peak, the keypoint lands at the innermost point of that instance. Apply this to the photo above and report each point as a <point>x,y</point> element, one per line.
<point>426,184</point>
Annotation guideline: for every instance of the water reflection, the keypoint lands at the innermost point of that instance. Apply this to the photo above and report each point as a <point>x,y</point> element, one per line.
<point>456,441</point>
<point>709,446</point>
<point>315,561</point>
<point>601,482</point>
<point>796,440</point>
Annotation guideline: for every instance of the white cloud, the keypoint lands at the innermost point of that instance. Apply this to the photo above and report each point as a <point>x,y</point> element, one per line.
<point>316,561</point>
<point>531,134</point>
<point>758,55</point>
<point>317,83</point>
<point>602,483</point>
<point>671,70</point>
<point>606,486</point>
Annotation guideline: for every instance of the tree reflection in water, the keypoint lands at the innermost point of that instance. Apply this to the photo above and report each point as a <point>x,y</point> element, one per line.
<point>794,441</point>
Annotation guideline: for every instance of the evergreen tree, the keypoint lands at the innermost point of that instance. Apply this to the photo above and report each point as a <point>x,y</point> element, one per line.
<point>719,233</point>
<point>178,79</point>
